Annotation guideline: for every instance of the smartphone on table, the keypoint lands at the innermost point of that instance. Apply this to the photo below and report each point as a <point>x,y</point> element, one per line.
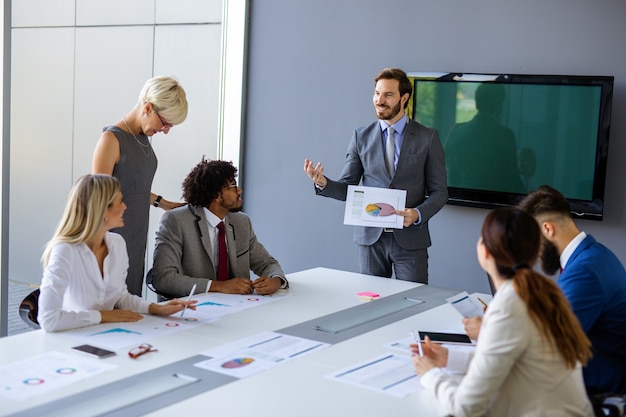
<point>93,351</point>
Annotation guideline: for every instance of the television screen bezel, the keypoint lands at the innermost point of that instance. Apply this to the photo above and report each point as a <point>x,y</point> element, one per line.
<point>585,209</point>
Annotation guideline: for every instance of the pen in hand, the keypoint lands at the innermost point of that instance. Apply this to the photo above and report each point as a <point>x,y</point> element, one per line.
<point>193,289</point>
<point>483,303</point>
<point>419,343</point>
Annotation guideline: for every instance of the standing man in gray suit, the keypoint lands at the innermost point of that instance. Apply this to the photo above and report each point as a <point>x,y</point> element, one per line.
<point>187,250</point>
<point>418,167</point>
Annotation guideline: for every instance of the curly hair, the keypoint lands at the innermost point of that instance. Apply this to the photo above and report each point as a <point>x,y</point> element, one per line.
<point>205,182</point>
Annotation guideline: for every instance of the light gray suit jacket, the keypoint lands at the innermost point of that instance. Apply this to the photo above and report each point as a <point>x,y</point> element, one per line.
<point>183,255</point>
<point>421,171</point>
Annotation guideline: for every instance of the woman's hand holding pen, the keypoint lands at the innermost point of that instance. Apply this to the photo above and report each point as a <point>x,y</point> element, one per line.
<point>434,356</point>
<point>174,306</point>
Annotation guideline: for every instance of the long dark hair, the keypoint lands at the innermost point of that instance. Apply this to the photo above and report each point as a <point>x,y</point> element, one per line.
<point>512,237</point>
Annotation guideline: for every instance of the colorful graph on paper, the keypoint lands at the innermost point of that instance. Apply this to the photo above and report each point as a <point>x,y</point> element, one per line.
<point>373,207</point>
<point>46,372</point>
<point>210,307</point>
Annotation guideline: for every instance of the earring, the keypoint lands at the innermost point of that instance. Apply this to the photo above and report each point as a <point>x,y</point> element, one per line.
<point>106,219</point>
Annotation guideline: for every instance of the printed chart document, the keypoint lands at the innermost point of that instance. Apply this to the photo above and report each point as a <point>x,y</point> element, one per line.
<point>257,353</point>
<point>404,346</point>
<point>115,336</point>
<point>210,307</point>
<point>48,371</point>
<point>370,206</point>
<point>466,305</point>
<point>389,374</point>
<point>214,305</point>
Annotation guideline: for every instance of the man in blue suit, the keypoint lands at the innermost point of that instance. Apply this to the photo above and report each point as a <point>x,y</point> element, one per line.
<point>593,280</point>
<point>417,166</point>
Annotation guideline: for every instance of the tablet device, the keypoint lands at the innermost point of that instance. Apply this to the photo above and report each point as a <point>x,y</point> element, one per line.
<point>450,338</point>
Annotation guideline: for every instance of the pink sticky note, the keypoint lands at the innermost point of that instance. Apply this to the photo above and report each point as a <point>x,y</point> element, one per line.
<point>368,294</point>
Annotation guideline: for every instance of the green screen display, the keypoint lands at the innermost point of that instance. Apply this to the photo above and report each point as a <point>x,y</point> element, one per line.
<point>514,137</point>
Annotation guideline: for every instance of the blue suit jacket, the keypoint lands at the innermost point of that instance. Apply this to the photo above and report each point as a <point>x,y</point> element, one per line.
<point>594,282</point>
<point>421,171</point>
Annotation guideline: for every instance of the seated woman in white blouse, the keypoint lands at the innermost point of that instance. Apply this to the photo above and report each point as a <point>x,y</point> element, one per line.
<point>85,265</point>
<point>531,347</point>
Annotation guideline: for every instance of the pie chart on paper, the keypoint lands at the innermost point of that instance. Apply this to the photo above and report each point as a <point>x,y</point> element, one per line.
<point>237,363</point>
<point>379,209</point>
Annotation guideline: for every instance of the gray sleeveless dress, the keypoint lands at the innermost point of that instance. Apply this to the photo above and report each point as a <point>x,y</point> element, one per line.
<point>135,171</point>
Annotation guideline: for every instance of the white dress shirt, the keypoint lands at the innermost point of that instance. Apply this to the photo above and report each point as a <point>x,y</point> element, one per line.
<point>513,372</point>
<point>570,248</point>
<point>73,291</point>
<point>212,222</point>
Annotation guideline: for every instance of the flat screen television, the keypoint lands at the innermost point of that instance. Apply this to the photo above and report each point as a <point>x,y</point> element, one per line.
<point>504,135</point>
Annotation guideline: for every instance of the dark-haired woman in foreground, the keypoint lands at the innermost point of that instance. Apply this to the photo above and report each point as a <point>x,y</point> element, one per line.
<point>531,347</point>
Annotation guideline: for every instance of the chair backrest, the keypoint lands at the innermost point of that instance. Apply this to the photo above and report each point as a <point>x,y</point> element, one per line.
<point>608,404</point>
<point>29,308</point>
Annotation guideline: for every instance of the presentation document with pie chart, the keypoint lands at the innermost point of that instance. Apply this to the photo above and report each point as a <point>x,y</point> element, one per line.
<point>371,206</point>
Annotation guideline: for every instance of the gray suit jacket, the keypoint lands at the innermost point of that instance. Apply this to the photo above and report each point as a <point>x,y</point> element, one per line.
<point>183,255</point>
<point>421,171</point>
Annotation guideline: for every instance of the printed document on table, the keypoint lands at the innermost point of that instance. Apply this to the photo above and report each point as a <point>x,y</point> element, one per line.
<point>257,353</point>
<point>371,206</point>
<point>389,374</point>
<point>466,305</point>
<point>115,336</point>
<point>38,375</point>
<point>404,346</point>
<point>210,307</point>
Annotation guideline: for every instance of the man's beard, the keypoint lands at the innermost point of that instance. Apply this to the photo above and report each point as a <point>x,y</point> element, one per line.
<point>550,258</point>
<point>236,209</point>
<point>393,112</point>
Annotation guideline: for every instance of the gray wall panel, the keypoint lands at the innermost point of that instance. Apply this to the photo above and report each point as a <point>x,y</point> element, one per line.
<point>311,69</point>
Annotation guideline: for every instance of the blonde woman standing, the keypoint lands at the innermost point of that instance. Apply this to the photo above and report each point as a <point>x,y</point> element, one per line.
<point>125,152</point>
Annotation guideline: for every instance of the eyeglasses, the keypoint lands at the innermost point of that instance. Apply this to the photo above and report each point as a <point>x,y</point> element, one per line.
<point>141,350</point>
<point>233,185</point>
<point>166,126</point>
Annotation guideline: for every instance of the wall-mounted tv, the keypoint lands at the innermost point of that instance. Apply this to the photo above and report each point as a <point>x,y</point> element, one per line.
<point>504,135</point>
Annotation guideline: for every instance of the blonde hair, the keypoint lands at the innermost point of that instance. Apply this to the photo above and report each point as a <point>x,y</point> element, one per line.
<point>84,211</point>
<point>167,97</point>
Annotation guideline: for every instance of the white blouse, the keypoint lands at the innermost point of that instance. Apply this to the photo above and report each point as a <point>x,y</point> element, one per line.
<point>513,372</point>
<point>73,291</point>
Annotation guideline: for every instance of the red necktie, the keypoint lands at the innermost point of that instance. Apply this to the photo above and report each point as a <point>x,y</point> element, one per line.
<point>222,262</point>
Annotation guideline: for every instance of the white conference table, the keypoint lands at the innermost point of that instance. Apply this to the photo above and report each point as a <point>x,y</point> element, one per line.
<point>298,387</point>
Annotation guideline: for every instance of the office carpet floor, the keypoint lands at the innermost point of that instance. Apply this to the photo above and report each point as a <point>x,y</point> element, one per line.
<point>17,292</point>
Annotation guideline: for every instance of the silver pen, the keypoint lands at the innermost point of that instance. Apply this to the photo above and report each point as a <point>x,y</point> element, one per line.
<point>193,289</point>
<point>419,342</point>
